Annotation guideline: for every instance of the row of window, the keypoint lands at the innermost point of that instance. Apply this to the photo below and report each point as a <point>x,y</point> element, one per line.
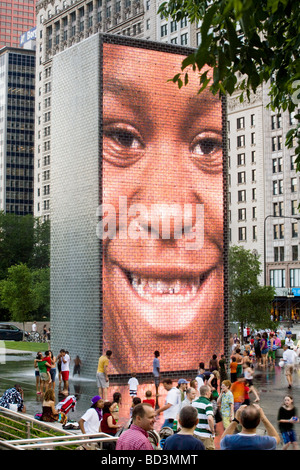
<point>278,277</point>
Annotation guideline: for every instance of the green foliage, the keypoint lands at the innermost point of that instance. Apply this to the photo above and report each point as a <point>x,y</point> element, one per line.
<point>257,40</point>
<point>250,303</point>
<point>24,241</point>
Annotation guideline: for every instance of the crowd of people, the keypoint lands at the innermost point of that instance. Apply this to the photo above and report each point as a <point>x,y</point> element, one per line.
<point>218,402</point>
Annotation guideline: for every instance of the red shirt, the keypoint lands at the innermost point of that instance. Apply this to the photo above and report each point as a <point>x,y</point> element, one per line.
<point>104,426</point>
<point>150,401</point>
<point>48,359</point>
<point>135,438</point>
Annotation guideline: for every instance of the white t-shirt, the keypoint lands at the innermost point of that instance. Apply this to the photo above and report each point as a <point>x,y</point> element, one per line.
<point>289,356</point>
<point>199,382</point>
<point>91,421</point>
<point>173,398</point>
<point>133,383</point>
<point>65,366</point>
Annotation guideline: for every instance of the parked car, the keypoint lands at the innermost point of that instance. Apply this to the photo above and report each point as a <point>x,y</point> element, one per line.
<point>10,332</point>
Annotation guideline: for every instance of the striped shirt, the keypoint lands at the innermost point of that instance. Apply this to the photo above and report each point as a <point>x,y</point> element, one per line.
<point>205,409</point>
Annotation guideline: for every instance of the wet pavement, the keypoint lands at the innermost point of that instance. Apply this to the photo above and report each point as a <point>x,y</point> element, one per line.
<point>270,383</point>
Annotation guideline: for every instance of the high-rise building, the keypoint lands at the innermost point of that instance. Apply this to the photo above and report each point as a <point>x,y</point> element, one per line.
<point>16,17</point>
<point>17,102</point>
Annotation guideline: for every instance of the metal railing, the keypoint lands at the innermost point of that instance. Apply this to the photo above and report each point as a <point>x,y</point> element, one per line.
<point>50,436</point>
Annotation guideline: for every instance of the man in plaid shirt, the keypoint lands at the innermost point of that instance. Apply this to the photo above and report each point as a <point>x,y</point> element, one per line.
<point>136,437</point>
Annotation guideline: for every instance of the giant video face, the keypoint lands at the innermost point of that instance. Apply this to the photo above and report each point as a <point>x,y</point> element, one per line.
<point>162,207</point>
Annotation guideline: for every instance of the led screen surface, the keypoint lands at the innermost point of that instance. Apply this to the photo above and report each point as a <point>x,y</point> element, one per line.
<point>162,207</point>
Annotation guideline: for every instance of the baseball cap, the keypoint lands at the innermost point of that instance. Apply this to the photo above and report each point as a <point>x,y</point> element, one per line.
<point>95,399</point>
<point>182,381</point>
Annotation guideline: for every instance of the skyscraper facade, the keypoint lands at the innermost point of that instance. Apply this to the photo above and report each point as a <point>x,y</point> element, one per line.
<point>17,102</point>
<point>16,17</point>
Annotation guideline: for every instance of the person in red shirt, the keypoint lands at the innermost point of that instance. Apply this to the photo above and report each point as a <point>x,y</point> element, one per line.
<point>109,424</point>
<point>136,437</point>
<point>148,399</point>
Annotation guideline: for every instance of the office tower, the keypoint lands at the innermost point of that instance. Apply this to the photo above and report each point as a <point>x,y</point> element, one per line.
<point>16,17</point>
<point>17,101</point>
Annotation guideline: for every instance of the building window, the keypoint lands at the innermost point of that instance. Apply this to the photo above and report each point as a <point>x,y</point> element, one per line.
<point>295,277</point>
<point>294,186</point>
<point>241,159</point>
<point>277,277</point>
<point>184,39</point>
<point>294,230</point>
<point>242,196</point>
<point>254,233</point>
<point>279,142</point>
<point>173,26</point>
<point>295,252</point>
<point>242,214</point>
<point>252,119</point>
<point>242,234</point>
<point>241,177</point>
<point>163,30</point>
<point>273,144</point>
<point>294,207</point>
<point>240,123</point>
<point>241,141</point>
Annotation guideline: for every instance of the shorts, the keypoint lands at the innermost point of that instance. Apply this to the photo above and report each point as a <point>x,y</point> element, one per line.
<point>208,442</point>
<point>289,369</point>
<point>264,351</point>
<point>133,393</point>
<point>37,373</point>
<point>53,374</point>
<point>226,421</point>
<point>289,436</point>
<point>65,375</point>
<point>258,353</point>
<point>101,380</point>
<point>272,354</point>
<point>156,381</point>
<point>44,376</point>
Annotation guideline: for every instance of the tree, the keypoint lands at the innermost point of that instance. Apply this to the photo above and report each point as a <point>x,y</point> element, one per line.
<point>258,39</point>
<point>249,302</point>
<point>17,294</point>
<point>41,288</point>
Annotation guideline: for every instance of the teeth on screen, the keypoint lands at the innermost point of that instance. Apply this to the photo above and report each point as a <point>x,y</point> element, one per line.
<point>146,287</point>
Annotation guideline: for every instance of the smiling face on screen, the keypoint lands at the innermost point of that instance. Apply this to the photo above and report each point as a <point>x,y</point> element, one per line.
<point>163,174</point>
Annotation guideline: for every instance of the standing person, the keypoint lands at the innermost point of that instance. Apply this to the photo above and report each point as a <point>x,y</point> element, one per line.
<point>287,416</point>
<point>156,372</point>
<point>37,374</point>
<point>238,392</point>
<point>272,349</point>
<point>249,376</point>
<point>33,327</point>
<point>222,368</point>
<point>264,349</point>
<point>58,363</point>
<point>226,403</point>
<point>102,374</point>
<point>65,371</point>
<point>149,398</point>
<point>89,423</point>
<point>172,405</point>
<point>213,363</point>
<point>289,357</point>
<point>117,400</point>
<point>257,350</point>
<point>249,417</point>
<point>133,384</point>
<point>77,366</point>
<point>52,369</point>
<point>233,369</point>
<point>45,378</point>
<point>184,439</point>
<point>205,431</point>
<point>136,437</point>
<point>182,387</point>
<point>190,396</point>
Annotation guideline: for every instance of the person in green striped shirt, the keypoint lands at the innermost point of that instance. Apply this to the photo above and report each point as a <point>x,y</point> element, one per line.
<point>205,430</point>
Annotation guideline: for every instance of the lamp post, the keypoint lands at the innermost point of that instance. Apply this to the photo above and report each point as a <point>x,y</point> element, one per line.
<point>265,220</point>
